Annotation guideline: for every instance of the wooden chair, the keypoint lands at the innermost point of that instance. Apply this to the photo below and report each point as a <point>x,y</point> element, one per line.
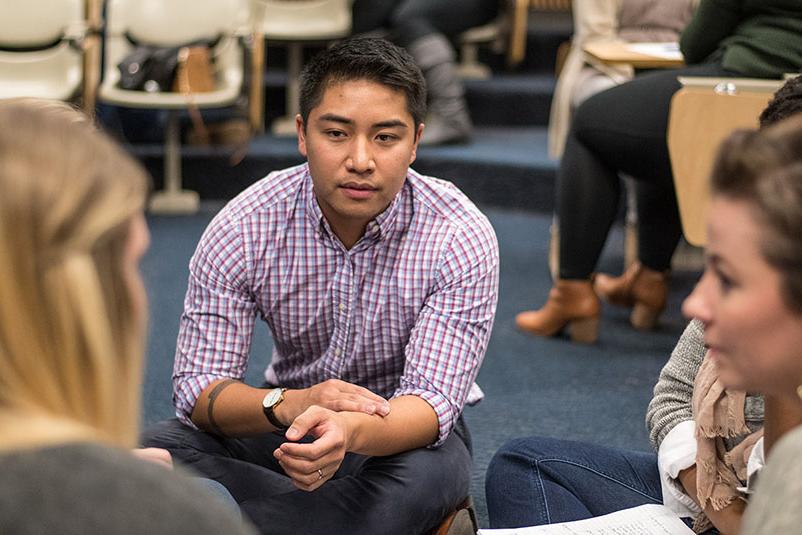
<point>506,33</point>
<point>551,5</point>
<point>703,113</point>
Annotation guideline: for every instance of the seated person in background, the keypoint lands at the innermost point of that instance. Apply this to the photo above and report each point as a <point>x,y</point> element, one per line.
<point>623,130</point>
<point>573,481</point>
<point>582,76</point>
<point>608,21</point>
<point>379,287</point>
<point>72,321</point>
<point>749,301</point>
<point>424,28</point>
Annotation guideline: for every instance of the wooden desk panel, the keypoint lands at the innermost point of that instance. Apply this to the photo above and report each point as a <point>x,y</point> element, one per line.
<point>617,53</point>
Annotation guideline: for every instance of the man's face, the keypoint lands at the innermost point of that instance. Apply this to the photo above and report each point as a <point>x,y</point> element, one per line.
<point>359,141</point>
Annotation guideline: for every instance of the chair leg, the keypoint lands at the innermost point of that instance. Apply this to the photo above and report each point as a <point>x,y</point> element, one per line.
<point>173,199</point>
<point>470,68</point>
<point>285,126</point>
<point>630,224</point>
<point>554,249</point>
<point>460,522</point>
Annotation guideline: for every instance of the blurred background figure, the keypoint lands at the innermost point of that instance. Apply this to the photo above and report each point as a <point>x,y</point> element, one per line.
<point>424,28</point>
<point>623,130</point>
<point>635,21</point>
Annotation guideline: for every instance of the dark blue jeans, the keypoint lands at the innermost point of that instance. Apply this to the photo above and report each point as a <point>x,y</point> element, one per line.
<point>405,494</point>
<point>537,480</point>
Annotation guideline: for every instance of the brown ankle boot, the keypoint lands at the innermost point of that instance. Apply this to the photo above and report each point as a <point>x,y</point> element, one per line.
<point>572,303</point>
<point>643,289</point>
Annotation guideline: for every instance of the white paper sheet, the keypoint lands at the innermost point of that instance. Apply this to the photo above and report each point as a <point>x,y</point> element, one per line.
<point>658,50</point>
<point>642,520</point>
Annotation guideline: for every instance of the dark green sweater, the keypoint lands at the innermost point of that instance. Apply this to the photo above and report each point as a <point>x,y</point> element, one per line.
<point>755,38</point>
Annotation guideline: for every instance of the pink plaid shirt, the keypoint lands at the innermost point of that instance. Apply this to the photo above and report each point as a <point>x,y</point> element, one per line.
<point>406,311</point>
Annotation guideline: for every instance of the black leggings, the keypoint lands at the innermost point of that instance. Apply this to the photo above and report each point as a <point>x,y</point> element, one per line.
<point>409,20</point>
<point>621,130</point>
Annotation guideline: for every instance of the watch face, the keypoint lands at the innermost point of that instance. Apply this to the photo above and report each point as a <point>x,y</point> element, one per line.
<point>271,398</point>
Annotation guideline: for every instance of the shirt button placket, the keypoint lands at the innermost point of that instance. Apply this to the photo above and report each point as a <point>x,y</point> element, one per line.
<point>343,314</point>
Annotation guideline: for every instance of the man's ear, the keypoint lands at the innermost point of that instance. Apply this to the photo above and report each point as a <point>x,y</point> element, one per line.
<point>300,127</point>
<point>418,135</point>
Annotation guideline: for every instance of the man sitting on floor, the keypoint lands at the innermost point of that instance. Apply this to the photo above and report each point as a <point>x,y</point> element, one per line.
<point>379,286</point>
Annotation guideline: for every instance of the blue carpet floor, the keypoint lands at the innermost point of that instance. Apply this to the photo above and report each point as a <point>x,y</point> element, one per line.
<point>533,386</point>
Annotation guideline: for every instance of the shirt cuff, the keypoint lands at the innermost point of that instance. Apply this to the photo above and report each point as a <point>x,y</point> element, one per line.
<point>441,406</point>
<point>186,393</point>
<point>757,459</point>
<point>677,452</point>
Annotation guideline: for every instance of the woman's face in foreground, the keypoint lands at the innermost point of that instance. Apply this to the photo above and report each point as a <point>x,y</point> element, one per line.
<point>754,339</point>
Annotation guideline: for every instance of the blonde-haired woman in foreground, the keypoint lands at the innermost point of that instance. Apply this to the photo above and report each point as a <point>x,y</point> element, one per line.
<point>72,322</point>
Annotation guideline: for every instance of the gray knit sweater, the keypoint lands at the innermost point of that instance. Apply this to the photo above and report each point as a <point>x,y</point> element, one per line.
<point>85,489</point>
<point>671,403</point>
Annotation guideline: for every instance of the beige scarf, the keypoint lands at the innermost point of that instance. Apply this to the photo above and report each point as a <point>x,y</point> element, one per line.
<point>718,414</point>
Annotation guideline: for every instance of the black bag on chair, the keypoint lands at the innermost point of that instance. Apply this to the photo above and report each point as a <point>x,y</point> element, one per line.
<point>149,69</point>
<point>152,68</point>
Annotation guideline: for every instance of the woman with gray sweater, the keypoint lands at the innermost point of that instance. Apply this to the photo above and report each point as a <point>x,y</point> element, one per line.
<point>707,437</point>
<point>539,480</point>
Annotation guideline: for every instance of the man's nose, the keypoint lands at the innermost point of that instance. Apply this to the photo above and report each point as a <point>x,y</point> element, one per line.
<point>361,158</point>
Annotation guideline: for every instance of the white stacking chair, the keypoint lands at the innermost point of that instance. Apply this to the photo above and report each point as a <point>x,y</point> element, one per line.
<point>174,23</point>
<point>294,23</point>
<point>42,50</point>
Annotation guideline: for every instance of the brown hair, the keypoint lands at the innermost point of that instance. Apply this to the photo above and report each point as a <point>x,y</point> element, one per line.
<point>764,169</point>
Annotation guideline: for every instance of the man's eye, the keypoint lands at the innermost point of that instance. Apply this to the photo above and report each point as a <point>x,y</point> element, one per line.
<point>386,137</point>
<point>335,133</point>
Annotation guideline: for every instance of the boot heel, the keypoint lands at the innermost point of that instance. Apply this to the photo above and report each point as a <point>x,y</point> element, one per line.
<point>584,331</point>
<point>644,317</point>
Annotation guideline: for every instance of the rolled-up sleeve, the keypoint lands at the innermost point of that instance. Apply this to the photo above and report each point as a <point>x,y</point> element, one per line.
<point>448,342</point>
<point>216,326</point>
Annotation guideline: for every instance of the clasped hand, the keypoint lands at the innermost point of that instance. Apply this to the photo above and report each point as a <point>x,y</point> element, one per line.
<point>339,396</point>
<point>309,465</point>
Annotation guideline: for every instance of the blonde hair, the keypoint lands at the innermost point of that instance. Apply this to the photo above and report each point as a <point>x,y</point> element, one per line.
<point>70,341</point>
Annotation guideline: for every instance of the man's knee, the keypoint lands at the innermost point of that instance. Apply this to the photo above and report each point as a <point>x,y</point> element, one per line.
<point>422,486</point>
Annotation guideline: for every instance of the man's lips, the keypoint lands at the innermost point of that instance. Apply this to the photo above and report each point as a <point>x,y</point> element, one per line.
<point>357,185</point>
<point>356,190</point>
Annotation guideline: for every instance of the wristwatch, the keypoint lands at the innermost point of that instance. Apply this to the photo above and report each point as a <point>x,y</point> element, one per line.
<point>272,400</point>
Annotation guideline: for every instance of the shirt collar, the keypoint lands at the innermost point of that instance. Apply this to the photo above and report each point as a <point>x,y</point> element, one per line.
<point>377,229</point>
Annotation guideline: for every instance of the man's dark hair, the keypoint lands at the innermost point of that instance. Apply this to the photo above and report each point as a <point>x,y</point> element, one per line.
<point>376,60</point>
<point>787,101</point>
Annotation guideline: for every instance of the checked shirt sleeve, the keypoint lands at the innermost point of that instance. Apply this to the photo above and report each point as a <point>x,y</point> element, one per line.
<point>216,326</point>
<point>448,343</point>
